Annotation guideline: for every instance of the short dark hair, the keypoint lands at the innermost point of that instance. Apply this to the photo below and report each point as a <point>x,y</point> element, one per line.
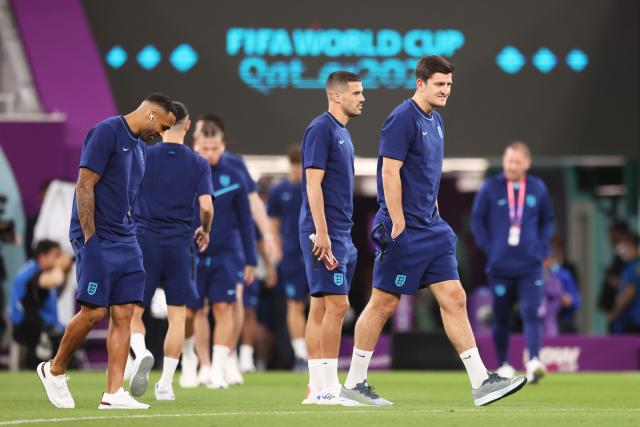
<point>209,130</point>
<point>213,118</point>
<point>431,64</point>
<point>44,247</point>
<point>620,226</point>
<point>163,101</point>
<point>342,78</point>
<point>519,145</point>
<point>181,111</point>
<point>631,238</point>
<point>294,153</point>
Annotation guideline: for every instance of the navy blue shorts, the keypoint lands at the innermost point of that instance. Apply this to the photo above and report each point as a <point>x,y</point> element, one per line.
<point>174,268</point>
<point>108,273</point>
<point>251,295</point>
<point>292,276</point>
<point>322,281</point>
<point>416,259</point>
<point>217,277</point>
<point>527,290</point>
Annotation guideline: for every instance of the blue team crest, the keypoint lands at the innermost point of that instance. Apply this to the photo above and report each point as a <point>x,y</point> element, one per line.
<point>338,279</point>
<point>92,288</point>
<point>286,196</point>
<point>531,200</point>
<point>224,180</point>
<point>440,132</point>
<point>500,290</point>
<point>401,279</point>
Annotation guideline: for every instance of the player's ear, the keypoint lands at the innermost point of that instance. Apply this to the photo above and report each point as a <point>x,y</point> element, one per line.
<point>187,125</point>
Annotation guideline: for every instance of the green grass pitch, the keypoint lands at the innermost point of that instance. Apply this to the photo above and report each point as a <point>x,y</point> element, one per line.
<point>273,399</point>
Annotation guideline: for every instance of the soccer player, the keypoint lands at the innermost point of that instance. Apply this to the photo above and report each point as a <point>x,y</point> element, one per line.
<point>226,263</point>
<point>213,124</point>
<point>325,231</point>
<point>283,207</point>
<point>164,211</point>
<point>512,221</point>
<point>416,246</point>
<point>109,269</point>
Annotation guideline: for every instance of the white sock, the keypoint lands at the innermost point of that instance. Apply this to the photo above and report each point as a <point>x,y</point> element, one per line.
<point>169,366</point>
<point>137,344</point>
<point>316,375</point>
<point>330,370</point>
<point>188,348</point>
<point>359,367</point>
<point>220,357</point>
<point>232,362</point>
<point>299,348</point>
<point>246,353</point>
<point>475,368</point>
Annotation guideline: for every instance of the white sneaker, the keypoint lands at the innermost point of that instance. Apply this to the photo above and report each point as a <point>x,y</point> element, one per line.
<point>204,375</point>
<point>247,365</point>
<point>140,375</point>
<point>217,384</point>
<point>330,398</point>
<point>55,386</point>
<point>535,371</point>
<point>188,379</point>
<point>164,393</point>
<point>120,400</point>
<point>311,397</point>
<point>506,371</point>
<point>128,368</point>
<point>232,373</point>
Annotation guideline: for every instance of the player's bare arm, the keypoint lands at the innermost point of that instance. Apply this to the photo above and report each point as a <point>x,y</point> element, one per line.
<point>393,194</point>
<point>206,219</point>
<point>322,243</point>
<point>86,201</point>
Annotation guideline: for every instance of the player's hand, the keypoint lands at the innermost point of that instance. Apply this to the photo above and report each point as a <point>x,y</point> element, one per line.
<point>249,274</point>
<point>322,249</point>
<point>202,239</point>
<point>398,228</point>
<point>271,249</point>
<point>272,277</point>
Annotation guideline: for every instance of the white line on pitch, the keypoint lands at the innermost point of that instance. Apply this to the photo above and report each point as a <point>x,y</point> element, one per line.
<point>279,413</point>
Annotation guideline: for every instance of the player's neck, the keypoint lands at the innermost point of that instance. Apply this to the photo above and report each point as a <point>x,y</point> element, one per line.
<point>173,137</point>
<point>424,105</point>
<point>338,114</point>
<point>133,122</point>
<point>518,179</point>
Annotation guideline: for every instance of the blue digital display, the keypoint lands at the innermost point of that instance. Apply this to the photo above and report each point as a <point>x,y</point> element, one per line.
<point>384,58</point>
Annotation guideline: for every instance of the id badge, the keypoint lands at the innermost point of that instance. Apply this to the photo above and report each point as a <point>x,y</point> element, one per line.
<point>514,235</point>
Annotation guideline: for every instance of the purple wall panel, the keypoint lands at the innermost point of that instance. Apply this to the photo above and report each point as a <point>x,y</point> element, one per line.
<point>69,77</point>
<point>36,153</point>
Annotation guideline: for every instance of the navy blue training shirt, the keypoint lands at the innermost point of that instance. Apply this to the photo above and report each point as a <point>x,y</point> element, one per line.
<point>327,145</point>
<point>239,165</point>
<point>284,202</point>
<point>233,228</point>
<point>490,225</point>
<point>164,210</point>
<point>417,139</point>
<point>114,152</point>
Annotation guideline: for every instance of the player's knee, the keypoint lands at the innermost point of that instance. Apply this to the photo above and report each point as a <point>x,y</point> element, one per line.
<point>338,307</point>
<point>456,299</point>
<point>529,312</point>
<point>93,315</point>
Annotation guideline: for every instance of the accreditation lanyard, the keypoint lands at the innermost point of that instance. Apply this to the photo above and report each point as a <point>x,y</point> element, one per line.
<point>515,211</point>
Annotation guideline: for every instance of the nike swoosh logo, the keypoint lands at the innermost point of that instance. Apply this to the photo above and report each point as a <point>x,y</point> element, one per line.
<point>360,355</point>
<point>125,149</point>
<point>424,133</point>
<point>468,357</point>
<point>341,141</point>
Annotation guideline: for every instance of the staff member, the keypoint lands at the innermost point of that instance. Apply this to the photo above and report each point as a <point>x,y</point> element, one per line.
<point>512,221</point>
